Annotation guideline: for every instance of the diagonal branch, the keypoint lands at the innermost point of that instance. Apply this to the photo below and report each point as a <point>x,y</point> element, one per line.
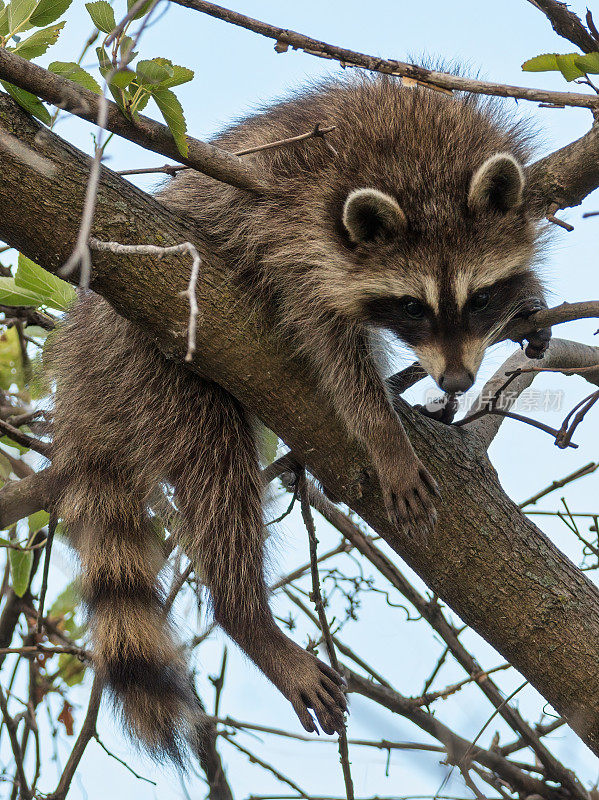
<point>145,132</point>
<point>536,608</point>
<point>567,24</point>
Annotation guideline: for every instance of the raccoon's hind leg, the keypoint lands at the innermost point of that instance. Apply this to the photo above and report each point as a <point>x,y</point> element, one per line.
<point>219,492</point>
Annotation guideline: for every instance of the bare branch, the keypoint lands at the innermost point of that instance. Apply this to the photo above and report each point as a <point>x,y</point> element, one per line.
<point>571,357</point>
<point>286,38</point>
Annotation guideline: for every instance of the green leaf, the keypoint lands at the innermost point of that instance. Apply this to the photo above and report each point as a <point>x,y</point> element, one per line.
<point>13,295</point>
<point>30,103</point>
<point>5,469</point>
<point>122,78</point>
<point>126,49</point>
<point>589,63</point>
<point>19,12</point>
<point>20,562</point>
<point>171,110</point>
<point>47,11</point>
<point>66,602</point>
<point>103,59</point>
<point>37,521</point>
<point>4,20</point>
<point>37,44</point>
<point>36,332</point>
<point>102,15</point>
<point>547,62</point>
<point>269,443</point>
<point>554,62</point>
<point>11,363</point>
<point>71,669</point>
<point>567,66</point>
<point>73,72</point>
<point>55,292</point>
<point>142,11</point>
<point>152,72</point>
<point>180,75</point>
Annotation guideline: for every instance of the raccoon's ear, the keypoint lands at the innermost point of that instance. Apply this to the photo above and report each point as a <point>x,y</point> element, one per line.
<point>497,185</point>
<point>369,214</point>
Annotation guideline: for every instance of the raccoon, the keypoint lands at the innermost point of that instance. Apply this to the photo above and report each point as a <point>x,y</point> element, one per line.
<point>413,217</point>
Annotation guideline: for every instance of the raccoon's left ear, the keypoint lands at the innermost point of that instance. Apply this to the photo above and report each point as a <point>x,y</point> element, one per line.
<point>369,214</point>
<point>497,185</point>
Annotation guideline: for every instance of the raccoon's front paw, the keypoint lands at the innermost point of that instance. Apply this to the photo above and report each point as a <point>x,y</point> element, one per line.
<point>537,341</point>
<point>408,496</point>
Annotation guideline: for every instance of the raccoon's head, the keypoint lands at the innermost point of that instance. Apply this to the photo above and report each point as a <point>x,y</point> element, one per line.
<point>446,285</point>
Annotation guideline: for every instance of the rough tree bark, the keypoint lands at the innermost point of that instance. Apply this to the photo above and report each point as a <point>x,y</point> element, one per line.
<point>491,564</point>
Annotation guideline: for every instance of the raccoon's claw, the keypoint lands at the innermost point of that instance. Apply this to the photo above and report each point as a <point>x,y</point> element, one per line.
<point>409,503</point>
<point>537,341</point>
<point>308,683</point>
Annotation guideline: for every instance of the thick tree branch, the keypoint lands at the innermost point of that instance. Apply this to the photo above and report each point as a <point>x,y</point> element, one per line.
<point>144,131</point>
<point>536,608</point>
<point>286,38</point>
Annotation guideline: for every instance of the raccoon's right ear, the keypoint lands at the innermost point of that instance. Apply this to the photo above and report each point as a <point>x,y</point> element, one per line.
<point>497,185</point>
<point>369,214</point>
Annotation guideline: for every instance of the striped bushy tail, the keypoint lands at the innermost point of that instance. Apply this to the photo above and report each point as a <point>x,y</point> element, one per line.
<point>134,650</point>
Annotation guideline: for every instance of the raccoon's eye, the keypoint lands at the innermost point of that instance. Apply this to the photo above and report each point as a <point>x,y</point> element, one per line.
<point>414,308</point>
<point>480,300</point>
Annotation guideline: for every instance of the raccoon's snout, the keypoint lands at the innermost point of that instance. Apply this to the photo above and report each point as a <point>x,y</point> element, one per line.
<point>457,380</point>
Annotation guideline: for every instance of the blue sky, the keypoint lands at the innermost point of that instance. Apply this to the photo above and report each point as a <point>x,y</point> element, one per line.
<point>236,71</point>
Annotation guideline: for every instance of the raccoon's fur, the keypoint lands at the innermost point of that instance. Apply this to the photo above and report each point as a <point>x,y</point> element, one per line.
<point>412,216</point>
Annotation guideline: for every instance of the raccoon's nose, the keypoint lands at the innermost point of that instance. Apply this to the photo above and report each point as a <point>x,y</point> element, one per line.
<point>457,380</point>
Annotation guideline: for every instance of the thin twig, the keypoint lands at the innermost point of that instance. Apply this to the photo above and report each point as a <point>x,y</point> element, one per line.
<point>172,169</point>
<point>159,252</point>
<point>324,625</point>
<point>51,531</point>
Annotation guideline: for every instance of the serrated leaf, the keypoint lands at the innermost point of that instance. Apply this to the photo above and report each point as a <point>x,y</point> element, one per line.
<point>20,562</point>
<point>546,62</point>
<point>13,295</point>
<point>66,602</point>
<point>72,670</point>
<point>567,66</point>
<point>126,49</point>
<point>122,78</point>
<point>28,101</point>
<point>554,62</point>
<point>102,15</point>
<point>19,12</point>
<point>56,293</point>
<point>151,73</point>
<point>73,72</point>
<point>142,11</point>
<point>180,75</point>
<point>588,63</point>
<point>103,59</point>
<point>171,110</point>
<point>37,521</point>
<point>4,21</point>
<point>47,11</point>
<point>37,44</point>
